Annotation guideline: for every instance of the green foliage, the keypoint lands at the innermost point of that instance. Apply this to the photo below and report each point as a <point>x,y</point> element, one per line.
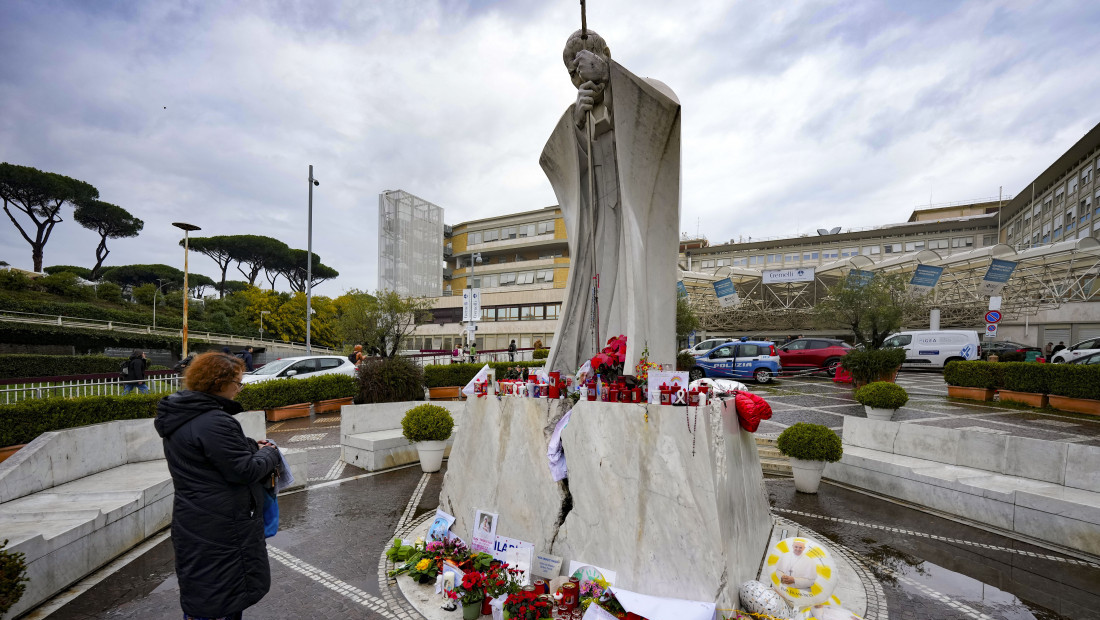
<point>389,380</point>
<point>65,284</point>
<point>109,221</point>
<point>109,292</point>
<point>13,577</point>
<point>42,303</point>
<point>12,280</point>
<point>882,395</point>
<point>231,286</point>
<point>810,442</point>
<point>136,275</point>
<point>23,421</point>
<point>382,320</point>
<point>685,361</point>
<point>20,365</point>
<point>84,339</point>
<point>282,392</point>
<point>540,354</point>
<point>985,375</point>
<point>1075,380</point>
<point>1028,377</point>
<point>145,294</point>
<point>450,375</point>
<point>427,423</point>
<point>82,272</point>
<point>872,365</point>
<point>686,321</point>
<point>872,310</point>
<point>39,196</point>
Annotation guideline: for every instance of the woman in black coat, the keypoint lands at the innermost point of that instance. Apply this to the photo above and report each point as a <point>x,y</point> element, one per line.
<point>217,520</point>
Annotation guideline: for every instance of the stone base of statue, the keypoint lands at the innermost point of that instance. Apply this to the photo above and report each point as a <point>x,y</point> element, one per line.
<point>669,498</point>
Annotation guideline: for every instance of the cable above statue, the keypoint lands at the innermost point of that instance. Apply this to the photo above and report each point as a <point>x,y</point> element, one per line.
<point>614,163</point>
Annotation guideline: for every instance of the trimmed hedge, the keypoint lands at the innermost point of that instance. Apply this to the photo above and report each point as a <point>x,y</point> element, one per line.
<point>19,365</point>
<point>23,421</point>
<point>449,375</point>
<point>540,354</point>
<point>810,442</point>
<point>389,380</point>
<point>870,366</point>
<point>984,375</point>
<point>282,392</point>
<point>85,339</point>
<point>1075,380</point>
<point>1027,377</point>
<point>427,423</point>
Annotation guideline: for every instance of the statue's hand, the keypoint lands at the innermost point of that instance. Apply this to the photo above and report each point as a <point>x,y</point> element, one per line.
<point>586,97</point>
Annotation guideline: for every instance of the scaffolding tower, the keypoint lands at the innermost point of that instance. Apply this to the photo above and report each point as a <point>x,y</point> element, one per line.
<point>410,245</point>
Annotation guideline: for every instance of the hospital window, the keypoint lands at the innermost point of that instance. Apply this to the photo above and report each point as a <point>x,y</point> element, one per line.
<point>891,248</point>
<point>475,238</point>
<point>845,252</point>
<point>913,246</point>
<point>962,242</point>
<point>491,235</point>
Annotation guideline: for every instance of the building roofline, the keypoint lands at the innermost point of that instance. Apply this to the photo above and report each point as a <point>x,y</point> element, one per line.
<point>1074,155</point>
<point>507,215</point>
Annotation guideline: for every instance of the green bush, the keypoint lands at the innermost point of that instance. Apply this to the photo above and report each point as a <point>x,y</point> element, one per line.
<point>23,421</point>
<point>882,395</point>
<point>1027,377</point>
<point>450,375</point>
<point>13,577</point>
<point>685,361</point>
<point>84,339</point>
<point>540,354</point>
<point>984,375</point>
<point>427,423</point>
<point>109,291</point>
<point>65,284</point>
<point>870,366</point>
<point>1075,380</point>
<point>83,272</point>
<point>282,392</point>
<point>389,380</point>
<point>810,442</point>
<point>12,280</point>
<point>27,365</point>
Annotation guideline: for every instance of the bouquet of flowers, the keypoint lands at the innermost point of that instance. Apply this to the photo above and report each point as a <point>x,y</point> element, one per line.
<point>609,362</point>
<point>526,606</point>
<point>642,368</point>
<point>471,590</point>
<point>501,581</point>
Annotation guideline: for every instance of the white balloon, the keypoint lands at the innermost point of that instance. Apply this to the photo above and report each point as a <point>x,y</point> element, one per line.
<point>758,598</point>
<point>802,571</point>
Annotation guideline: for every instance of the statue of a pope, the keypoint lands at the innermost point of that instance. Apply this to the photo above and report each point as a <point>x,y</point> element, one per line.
<point>624,230</point>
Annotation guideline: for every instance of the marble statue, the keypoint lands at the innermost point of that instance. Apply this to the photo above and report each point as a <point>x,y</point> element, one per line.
<point>625,228</point>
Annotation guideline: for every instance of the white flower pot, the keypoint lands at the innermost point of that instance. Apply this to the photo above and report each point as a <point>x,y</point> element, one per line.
<point>879,414</point>
<point>431,455</point>
<point>807,474</point>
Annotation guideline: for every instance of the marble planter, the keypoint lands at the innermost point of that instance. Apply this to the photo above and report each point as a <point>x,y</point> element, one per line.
<point>289,412</point>
<point>807,474</point>
<point>874,413</point>
<point>1027,398</point>
<point>970,393</point>
<point>1078,405</point>
<point>431,455</point>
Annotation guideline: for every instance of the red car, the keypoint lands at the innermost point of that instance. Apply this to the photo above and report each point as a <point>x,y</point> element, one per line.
<point>806,353</point>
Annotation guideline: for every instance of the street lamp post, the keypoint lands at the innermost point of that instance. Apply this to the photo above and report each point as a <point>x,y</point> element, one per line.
<point>262,313</point>
<point>309,262</point>
<point>186,228</point>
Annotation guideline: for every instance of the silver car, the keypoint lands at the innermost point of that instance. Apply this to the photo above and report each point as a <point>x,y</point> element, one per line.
<point>304,366</point>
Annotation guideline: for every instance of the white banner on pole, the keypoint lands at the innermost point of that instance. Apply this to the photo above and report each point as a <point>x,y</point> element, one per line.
<point>471,304</point>
<point>778,276</point>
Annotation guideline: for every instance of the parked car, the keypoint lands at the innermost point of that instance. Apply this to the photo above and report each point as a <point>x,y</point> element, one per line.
<point>739,359</point>
<point>1081,349</point>
<point>813,353</point>
<point>1092,358</point>
<point>294,367</point>
<point>1000,347</point>
<point>934,349</point>
<point>704,346</point>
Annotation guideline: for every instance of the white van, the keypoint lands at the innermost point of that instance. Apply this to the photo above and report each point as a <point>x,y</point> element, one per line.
<point>933,349</point>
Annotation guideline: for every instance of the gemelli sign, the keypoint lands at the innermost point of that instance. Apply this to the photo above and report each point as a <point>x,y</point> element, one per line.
<point>779,276</point>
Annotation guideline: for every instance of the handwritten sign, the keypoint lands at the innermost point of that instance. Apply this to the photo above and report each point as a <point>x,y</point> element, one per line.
<point>519,558</point>
<point>547,565</point>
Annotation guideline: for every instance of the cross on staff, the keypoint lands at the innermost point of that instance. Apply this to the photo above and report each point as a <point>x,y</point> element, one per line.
<point>592,205</point>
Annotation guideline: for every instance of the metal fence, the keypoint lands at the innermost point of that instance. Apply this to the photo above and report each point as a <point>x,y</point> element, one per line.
<point>74,386</point>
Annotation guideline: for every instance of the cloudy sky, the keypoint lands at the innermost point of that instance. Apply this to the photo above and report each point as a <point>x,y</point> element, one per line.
<point>796,114</point>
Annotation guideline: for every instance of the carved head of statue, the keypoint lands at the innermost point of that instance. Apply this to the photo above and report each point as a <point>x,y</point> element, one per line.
<point>586,59</point>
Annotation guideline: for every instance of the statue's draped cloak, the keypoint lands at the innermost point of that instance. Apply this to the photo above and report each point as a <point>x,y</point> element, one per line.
<point>634,243</point>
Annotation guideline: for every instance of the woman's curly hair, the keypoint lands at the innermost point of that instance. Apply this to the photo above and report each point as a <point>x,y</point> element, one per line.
<point>211,372</point>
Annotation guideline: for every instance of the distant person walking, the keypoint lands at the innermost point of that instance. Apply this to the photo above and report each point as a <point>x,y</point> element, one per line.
<point>1049,349</point>
<point>133,373</point>
<point>473,352</point>
<point>246,356</point>
<point>512,351</point>
<point>1058,347</point>
<point>218,474</point>
<point>356,355</point>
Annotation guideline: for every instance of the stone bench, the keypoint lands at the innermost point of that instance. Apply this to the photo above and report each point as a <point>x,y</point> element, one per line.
<point>370,435</point>
<point>1044,490</point>
<point>73,500</point>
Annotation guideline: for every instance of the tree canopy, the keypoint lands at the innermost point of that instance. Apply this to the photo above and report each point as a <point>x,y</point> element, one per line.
<point>382,320</point>
<point>136,275</point>
<point>294,270</point>
<point>255,253</point>
<point>110,221</point>
<point>219,248</point>
<point>82,272</point>
<point>873,309</point>
<point>39,196</point>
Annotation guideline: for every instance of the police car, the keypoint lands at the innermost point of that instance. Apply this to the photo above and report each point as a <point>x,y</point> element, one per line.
<point>739,359</point>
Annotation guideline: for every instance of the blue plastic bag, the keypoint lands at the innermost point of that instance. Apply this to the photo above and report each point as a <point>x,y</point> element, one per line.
<point>271,513</point>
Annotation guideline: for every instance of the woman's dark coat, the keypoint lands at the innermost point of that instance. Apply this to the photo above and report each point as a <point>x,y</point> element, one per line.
<point>217,520</point>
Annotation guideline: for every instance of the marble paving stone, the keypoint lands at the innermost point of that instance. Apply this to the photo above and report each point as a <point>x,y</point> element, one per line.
<point>1036,459</point>
<point>1015,430</point>
<point>806,415</point>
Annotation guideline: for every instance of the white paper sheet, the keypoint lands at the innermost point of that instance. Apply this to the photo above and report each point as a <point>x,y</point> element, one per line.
<point>658,608</point>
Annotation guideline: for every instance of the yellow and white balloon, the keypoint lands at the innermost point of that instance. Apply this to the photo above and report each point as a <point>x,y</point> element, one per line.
<point>802,571</point>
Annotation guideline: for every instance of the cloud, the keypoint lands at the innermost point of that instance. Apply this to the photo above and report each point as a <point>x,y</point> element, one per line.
<point>796,115</point>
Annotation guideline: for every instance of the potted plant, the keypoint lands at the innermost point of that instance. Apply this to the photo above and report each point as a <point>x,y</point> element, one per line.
<point>428,427</point>
<point>1027,383</point>
<point>973,380</point>
<point>13,577</point>
<point>873,365</point>
<point>525,605</point>
<point>881,399</point>
<point>1075,387</point>
<point>500,581</point>
<point>809,446</point>
<point>471,593</point>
